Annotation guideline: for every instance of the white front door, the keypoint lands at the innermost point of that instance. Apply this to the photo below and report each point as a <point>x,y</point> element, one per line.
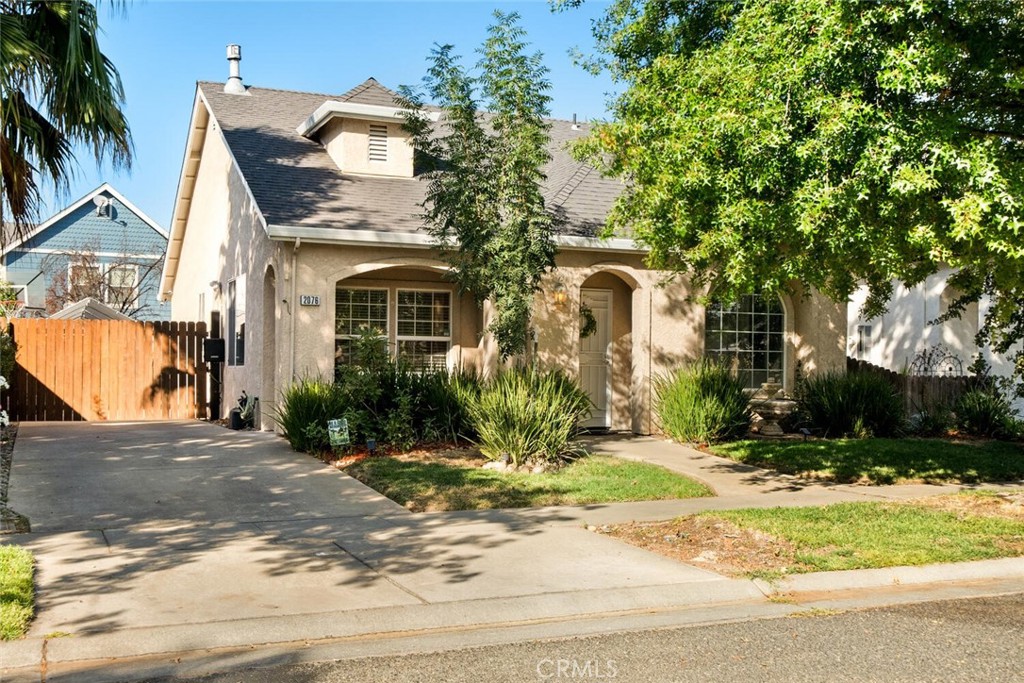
<point>596,356</point>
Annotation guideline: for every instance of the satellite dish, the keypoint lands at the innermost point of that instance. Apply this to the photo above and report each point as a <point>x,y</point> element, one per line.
<point>102,204</point>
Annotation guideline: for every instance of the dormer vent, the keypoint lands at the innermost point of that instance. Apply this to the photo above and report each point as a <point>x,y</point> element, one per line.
<point>378,143</point>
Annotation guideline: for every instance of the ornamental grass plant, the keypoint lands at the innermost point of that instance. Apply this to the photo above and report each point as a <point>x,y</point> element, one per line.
<point>702,403</point>
<point>857,404</point>
<point>529,415</point>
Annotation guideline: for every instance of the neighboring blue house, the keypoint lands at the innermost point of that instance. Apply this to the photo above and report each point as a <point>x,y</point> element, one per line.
<point>102,246</point>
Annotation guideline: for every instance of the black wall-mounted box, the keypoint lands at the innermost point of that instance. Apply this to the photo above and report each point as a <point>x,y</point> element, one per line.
<point>213,350</point>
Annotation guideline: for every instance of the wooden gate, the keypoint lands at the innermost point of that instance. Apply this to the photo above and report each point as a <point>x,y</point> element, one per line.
<point>107,370</point>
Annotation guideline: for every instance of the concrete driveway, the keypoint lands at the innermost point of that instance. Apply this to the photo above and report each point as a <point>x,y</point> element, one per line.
<point>222,538</point>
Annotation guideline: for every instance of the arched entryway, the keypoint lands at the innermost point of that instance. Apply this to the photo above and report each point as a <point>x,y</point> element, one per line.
<point>268,387</point>
<point>606,349</point>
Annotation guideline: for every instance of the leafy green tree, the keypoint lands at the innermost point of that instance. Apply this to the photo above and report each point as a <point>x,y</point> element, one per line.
<point>484,172</point>
<point>825,143</point>
<point>57,89</point>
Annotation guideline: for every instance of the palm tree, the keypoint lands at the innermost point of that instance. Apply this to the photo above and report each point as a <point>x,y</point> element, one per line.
<point>58,90</point>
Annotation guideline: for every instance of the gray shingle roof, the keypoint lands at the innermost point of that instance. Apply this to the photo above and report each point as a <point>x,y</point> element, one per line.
<point>296,183</point>
<point>88,309</point>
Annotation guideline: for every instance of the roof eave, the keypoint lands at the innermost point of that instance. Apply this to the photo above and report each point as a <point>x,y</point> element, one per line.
<point>186,189</point>
<point>420,240</point>
<point>365,112</point>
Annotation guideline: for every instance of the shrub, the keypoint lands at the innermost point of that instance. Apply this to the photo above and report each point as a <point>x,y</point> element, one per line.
<point>933,420</point>
<point>304,410</point>
<point>382,398</point>
<point>8,352</point>
<point>443,410</point>
<point>529,415</point>
<point>984,412</point>
<point>702,402</point>
<point>856,404</point>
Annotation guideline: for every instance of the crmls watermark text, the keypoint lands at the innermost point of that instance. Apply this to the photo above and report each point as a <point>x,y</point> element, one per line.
<point>553,669</point>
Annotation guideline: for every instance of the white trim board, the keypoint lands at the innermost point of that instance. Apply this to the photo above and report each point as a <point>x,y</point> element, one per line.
<point>424,241</point>
<point>356,110</point>
<point>101,254</point>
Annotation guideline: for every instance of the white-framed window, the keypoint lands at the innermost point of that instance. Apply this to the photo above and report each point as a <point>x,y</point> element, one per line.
<point>357,310</point>
<point>377,144</point>
<point>863,348</point>
<point>121,281</point>
<point>236,321</point>
<point>84,279</point>
<point>749,336</point>
<point>424,327</point>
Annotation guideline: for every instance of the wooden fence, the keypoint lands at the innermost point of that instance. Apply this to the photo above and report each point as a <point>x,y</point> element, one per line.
<point>107,370</point>
<point>920,392</point>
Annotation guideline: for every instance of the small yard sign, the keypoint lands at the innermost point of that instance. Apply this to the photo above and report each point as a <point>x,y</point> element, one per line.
<point>309,300</point>
<point>337,431</point>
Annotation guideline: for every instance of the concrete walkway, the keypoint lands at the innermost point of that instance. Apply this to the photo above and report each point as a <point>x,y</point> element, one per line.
<point>173,537</point>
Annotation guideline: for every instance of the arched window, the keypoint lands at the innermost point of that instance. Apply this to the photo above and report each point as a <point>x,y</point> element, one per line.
<point>748,335</point>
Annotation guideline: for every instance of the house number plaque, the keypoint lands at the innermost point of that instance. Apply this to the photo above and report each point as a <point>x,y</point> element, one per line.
<point>309,300</point>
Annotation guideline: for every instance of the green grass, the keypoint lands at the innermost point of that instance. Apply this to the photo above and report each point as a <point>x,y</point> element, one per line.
<point>594,479</point>
<point>884,461</point>
<point>870,535</point>
<point>17,592</point>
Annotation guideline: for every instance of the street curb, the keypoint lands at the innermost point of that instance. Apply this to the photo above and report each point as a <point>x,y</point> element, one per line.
<point>487,613</point>
<point>860,579</point>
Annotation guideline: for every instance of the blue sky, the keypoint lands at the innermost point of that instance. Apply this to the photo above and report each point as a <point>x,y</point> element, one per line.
<point>162,48</point>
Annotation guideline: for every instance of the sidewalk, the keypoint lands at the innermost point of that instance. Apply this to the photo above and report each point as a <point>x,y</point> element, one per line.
<point>273,574</point>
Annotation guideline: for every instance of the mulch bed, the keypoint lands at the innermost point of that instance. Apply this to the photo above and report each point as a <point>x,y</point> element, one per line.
<point>11,522</point>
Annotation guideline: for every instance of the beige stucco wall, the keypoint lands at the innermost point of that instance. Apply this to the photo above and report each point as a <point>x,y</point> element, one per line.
<point>225,240</point>
<point>347,142</point>
<point>818,335</point>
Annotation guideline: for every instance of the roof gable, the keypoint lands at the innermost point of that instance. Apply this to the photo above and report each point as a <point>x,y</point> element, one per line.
<point>132,227</point>
<point>370,92</point>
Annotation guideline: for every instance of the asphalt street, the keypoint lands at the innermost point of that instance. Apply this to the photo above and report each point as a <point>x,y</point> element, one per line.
<point>978,639</point>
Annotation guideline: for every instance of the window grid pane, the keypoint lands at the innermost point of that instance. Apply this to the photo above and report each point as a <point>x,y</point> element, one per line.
<point>748,336</point>
<point>424,328</point>
<point>357,311</point>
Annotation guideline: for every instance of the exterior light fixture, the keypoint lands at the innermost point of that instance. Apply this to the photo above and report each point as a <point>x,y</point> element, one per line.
<point>559,294</point>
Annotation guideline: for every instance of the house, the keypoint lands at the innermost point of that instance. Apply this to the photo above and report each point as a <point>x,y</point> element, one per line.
<point>100,246</point>
<point>296,224</point>
<point>907,338</point>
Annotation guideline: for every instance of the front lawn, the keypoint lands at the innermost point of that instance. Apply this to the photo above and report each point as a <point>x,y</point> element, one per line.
<point>884,461</point>
<point>774,541</point>
<point>425,485</point>
<point>17,592</point>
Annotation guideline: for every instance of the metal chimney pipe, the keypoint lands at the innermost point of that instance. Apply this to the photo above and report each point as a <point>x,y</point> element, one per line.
<point>234,85</point>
